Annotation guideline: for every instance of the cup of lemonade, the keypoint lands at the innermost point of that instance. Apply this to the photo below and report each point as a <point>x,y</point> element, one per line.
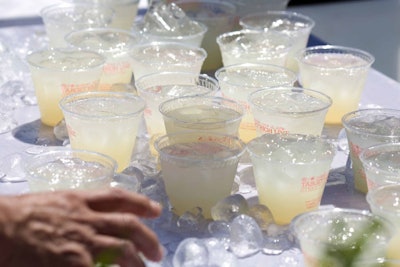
<point>105,122</point>
<point>61,72</point>
<point>290,172</point>
<point>198,168</point>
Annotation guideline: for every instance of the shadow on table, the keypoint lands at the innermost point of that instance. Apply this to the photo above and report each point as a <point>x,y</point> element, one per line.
<point>36,133</point>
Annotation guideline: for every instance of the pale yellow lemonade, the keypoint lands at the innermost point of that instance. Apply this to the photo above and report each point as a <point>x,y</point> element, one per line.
<point>295,25</point>
<point>166,56</point>
<point>383,202</point>
<point>125,12</point>
<point>340,76</point>
<point>238,81</point>
<point>198,170</point>
<point>254,47</point>
<point>202,113</point>
<point>290,173</point>
<point>60,169</point>
<point>365,128</point>
<point>56,74</point>
<point>284,110</point>
<point>114,45</point>
<point>105,124</point>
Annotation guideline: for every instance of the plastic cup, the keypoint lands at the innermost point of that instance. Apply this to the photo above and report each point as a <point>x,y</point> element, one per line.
<point>202,113</point>
<point>383,201</point>
<point>295,25</point>
<point>248,7</point>
<point>161,57</point>
<point>283,110</point>
<point>198,169</point>
<point>62,169</point>
<point>125,11</point>
<point>58,73</point>
<point>381,164</point>
<point>365,128</point>
<point>61,19</point>
<point>340,72</point>
<point>105,122</point>
<point>159,87</point>
<point>290,172</point>
<point>219,17</point>
<point>238,81</point>
<point>193,38</point>
<point>341,237</point>
<point>247,46</point>
<point>114,45</point>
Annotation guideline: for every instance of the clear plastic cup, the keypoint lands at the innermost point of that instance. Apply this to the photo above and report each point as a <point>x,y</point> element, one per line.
<point>105,122</point>
<point>295,25</point>
<point>365,128</point>
<point>340,72</point>
<point>61,19</point>
<point>114,45</point>
<point>283,110</point>
<point>238,81</point>
<point>381,164</point>
<point>202,113</point>
<point>341,237</point>
<point>246,46</point>
<point>125,11</point>
<point>384,201</point>
<point>58,73</point>
<point>159,87</point>
<point>219,17</point>
<point>290,172</point>
<point>164,56</point>
<point>62,169</point>
<point>198,168</point>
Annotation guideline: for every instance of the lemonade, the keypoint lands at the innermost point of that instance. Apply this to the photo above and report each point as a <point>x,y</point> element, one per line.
<point>338,72</point>
<point>289,110</point>
<point>160,57</point>
<point>254,47</point>
<point>238,81</point>
<point>114,45</point>
<point>58,73</point>
<point>198,169</point>
<point>295,25</point>
<point>201,113</point>
<point>60,169</point>
<point>105,122</point>
<point>290,172</point>
<point>365,128</point>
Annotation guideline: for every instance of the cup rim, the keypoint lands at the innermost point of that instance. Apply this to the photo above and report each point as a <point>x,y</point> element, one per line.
<point>209,138</point>
<point>50,51</point>
<point>140,106</point>
<point>381,189</point>
<point>281,14</point>
<point>368,111</point>
<point>194,99</point>
<point>199,50</point>
<point>337,49</point>
<point>47,10</point>
<point>259,67</point>
<point>324,97</point>
<point>57,152</point>
<point>329,154</point>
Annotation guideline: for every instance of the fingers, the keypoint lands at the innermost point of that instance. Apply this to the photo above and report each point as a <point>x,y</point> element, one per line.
<point>124,201</point>
<point>127,226</point>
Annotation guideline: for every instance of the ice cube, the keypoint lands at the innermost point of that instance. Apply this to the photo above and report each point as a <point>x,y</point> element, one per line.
<point>246,238</point>
<point>229,207</point>
<point>191,252</point>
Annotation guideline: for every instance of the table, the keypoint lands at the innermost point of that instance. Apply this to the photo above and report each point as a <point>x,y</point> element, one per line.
<point>380,91</point>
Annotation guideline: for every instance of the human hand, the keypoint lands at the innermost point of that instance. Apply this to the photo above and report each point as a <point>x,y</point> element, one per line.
<point>77,228</point>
